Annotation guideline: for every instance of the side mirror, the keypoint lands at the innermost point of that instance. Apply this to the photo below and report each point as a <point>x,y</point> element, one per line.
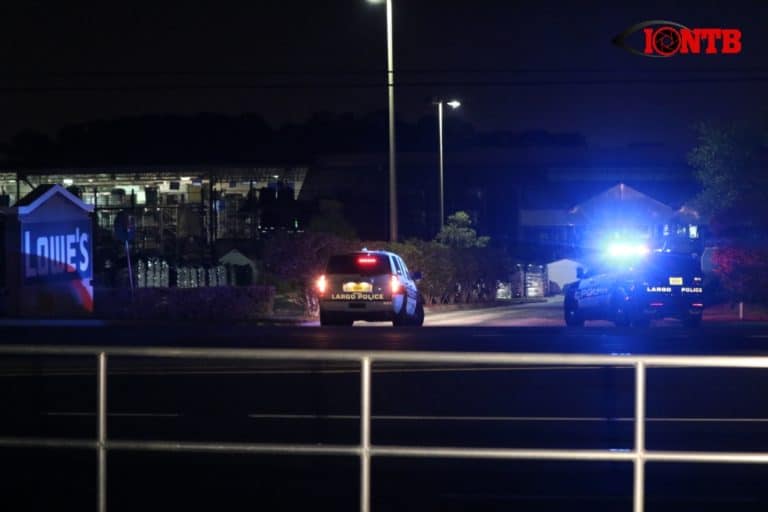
<point>416,276</point>
<point>579,273</point>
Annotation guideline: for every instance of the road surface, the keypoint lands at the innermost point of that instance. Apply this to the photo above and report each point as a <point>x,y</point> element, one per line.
<point>546,313</point>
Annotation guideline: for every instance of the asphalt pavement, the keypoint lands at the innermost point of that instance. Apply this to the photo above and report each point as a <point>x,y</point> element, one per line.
<point>548,313</point>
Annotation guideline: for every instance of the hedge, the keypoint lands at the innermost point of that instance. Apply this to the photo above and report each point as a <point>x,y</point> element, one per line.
<point>224,303</point>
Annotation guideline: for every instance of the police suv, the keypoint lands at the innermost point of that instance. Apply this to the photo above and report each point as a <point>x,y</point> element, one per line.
<point>632,291</point>
<point>369,285</point>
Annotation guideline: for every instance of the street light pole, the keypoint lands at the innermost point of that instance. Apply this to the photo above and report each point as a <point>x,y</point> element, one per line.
<point>440,149</point>
<point>454,104</point>
<point>391,95</point>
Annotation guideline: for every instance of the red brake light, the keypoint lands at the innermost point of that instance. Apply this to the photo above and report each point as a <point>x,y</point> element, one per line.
<point>395,284</point>
<point>366,260</point>
<point>321,284</point>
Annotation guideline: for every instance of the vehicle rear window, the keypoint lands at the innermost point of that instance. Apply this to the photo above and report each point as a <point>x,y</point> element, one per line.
<point>663,265</point>
<point>362,264</point>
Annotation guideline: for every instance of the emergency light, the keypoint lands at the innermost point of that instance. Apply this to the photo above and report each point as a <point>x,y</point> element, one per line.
<point>624,250</point>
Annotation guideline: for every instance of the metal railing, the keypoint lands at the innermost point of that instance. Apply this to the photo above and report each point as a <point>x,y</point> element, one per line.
<point>365,450</point>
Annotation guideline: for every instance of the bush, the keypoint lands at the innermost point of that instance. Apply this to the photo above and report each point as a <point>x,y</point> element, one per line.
<point>434,262</point>
<point>743,272</point>
<point>205,304</point>
<point>296,260</point>
<point>449,274</point>
<point>452,274</point>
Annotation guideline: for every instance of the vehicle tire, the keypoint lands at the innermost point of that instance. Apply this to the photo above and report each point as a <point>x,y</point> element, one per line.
<point>330,319</point>
<point>621,316</point>
<point>418,319</point>
<point>326,319</point>
<point>572,315</point>
<point>401,318</point>
<point>692,321</point>
<point>641,322</point>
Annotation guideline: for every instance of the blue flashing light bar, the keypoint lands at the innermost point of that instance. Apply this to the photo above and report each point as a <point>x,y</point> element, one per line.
<point>625,250</point>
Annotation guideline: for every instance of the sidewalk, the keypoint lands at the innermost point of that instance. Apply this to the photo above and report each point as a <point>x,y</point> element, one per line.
<point>730,313</point>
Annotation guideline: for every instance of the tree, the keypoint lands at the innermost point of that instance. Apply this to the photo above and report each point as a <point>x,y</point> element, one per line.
<point>734,199</point>
<point>433,260</point>
<point>458,233</point>
<point>297,260</point>
<point>32,148</point>
<point>743,272</point>
<point>330,219</point>
<point>727,164</point>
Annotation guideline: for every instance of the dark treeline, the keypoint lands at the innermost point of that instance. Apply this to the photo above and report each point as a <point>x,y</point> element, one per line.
<point>247,138</point>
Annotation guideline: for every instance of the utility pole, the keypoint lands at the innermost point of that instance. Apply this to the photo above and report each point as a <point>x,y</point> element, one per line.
<point>391,94</point>
<point>391,103</point>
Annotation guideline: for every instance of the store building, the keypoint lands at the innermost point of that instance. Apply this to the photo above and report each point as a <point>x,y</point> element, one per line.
<point>176,210</point>
<point>620,212</point>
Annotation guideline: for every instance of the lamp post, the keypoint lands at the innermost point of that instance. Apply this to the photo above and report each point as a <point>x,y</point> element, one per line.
<point>391,94</point>
<point>454,104</point>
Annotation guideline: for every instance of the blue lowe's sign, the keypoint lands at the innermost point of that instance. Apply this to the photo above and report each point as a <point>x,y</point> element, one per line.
<point>58,251</point>
<point>52,253</point>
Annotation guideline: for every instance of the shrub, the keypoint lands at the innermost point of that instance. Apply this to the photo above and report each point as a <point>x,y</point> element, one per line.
<point>205,304</point>
<point>298,259</point>
<point>743,272</point>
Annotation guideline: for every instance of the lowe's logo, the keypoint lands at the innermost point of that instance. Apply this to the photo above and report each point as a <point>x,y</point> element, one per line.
<point>56,250</point>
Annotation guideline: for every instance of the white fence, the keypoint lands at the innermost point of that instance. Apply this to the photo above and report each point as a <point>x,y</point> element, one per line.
<point>365,450</point>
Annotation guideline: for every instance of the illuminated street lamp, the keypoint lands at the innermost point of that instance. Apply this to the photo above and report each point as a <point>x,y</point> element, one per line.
<point>454,104</point>
<point>391,93</point>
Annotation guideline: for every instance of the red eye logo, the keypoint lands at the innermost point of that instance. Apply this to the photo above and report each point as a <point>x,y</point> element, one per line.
<point>666,41</point>
<point>667,38</point>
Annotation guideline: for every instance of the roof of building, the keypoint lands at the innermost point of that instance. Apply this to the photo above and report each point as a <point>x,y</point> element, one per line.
<point>622,201</point>
<point>203,170</point>
<point>615,204</point>
<point>34,195</point>
<point>43,193</point>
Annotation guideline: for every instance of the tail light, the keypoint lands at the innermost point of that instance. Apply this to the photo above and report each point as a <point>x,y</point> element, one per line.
<point>396,285</point>
<point>321,284</point>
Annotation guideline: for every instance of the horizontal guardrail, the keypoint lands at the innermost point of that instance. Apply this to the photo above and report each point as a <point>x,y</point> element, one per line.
<point>365,450</point>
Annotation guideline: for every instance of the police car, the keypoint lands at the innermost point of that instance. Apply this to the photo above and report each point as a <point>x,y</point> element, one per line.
<point>634,290</point>
<point>369,285</point>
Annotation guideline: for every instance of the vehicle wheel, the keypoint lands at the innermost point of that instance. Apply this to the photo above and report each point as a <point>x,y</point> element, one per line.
<point>621,316</point>
<point>572,315</point>
<point>418,319</point>
<point>642,322</point>
<point>326,319</point>
<point>692,321</point>
<point>401,318</point>
<point>329,319</point>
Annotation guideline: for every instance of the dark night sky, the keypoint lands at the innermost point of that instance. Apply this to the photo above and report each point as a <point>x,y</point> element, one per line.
<point>340,43</point>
